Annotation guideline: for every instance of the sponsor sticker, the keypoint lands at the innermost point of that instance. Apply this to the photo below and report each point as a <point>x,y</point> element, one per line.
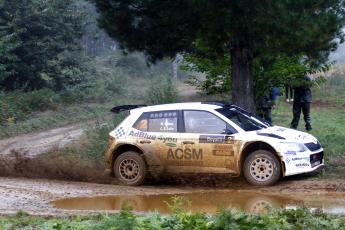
<point>141,134</point>
<point>300,158</point>
<point>215,139</point>
<point>290,153</point>
<point>185,154</point>
<point>302,165</point>
<point>168,141</point>
<point>223,152</point>
<point>119,132</point>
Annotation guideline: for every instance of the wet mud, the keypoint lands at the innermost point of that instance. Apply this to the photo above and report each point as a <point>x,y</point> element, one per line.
<point>60,198</point>
<point>209,202</point>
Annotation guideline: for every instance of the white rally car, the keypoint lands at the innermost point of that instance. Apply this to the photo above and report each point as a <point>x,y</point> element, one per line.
<point>207,137</point>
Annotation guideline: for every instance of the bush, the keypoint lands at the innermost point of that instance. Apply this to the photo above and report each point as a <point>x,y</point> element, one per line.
<point>226,219</point>
<point>161,90</point>
<point>18,105</point>
<point>96,140</point>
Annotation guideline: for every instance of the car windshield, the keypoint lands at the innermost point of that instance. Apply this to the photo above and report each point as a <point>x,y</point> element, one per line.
<point>244,119</point>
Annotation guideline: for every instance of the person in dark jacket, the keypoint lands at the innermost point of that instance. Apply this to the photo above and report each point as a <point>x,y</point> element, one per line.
<point>265,104</point>
<point>302,101</point>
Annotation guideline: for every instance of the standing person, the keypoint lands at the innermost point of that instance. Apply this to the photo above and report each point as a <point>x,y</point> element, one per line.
<point>302,101</point>
<point>275,96</point>
<point>288,93</point>
<point>264,106</point>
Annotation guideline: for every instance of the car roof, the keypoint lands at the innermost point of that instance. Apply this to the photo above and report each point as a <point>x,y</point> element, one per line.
<point>180,106</point>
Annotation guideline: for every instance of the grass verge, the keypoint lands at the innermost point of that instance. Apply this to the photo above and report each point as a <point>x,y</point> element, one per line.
<point>225,219</point>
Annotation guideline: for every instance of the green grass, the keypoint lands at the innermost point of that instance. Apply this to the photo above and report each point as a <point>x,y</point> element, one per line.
<point>328,126</point>
<point>58,117</point>
<point>332,93</point>
<point>225,219</point>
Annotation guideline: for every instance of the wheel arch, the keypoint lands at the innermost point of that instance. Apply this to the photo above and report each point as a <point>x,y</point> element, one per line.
<point>121,149</point>
<point>259,145</point>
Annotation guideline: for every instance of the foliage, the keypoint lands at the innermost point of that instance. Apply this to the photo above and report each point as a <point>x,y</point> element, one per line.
<point>226,219</point>
<point>267,73</point>
<point>17,105</point>
<point>39,44</point>
<point>243,30</point>
<point>97,138</point>
<point>284,70</point>
<point>161,90</point>
<point>216,70</point>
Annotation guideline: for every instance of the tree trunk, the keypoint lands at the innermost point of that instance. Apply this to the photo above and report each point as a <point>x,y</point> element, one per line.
<point>242,81</point>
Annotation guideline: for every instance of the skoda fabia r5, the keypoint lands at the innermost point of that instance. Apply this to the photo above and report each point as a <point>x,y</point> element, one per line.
<point>207,137</point>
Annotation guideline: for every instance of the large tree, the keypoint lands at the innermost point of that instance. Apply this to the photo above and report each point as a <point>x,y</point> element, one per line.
<point>37,39</point>
<point>244,29</point>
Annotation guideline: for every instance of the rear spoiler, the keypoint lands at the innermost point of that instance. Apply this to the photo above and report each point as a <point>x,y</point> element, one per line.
<point>121,108</point>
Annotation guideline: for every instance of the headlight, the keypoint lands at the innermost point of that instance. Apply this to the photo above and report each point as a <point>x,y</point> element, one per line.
<point>293,147</point>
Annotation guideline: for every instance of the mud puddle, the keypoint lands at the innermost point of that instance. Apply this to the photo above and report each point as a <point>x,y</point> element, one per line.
<point>205,202</point>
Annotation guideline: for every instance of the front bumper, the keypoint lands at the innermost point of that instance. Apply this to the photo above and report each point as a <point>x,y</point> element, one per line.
<point>303,162</point>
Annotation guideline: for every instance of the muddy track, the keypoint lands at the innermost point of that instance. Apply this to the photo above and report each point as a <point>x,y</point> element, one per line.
<point>34,144</point>
<point>35,196</point>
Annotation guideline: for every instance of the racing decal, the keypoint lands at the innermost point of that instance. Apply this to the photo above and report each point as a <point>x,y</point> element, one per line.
<point>142,135</point>
<point>302,165</point>
<point>223,150</point>
<point>300,158</point>
<point>290,153</point>
<point>119,132</point>
<point>168,141</point>
<point>215,139</point>
<point>163,122</point>
<point>185,154</point>
<point>167,125</point>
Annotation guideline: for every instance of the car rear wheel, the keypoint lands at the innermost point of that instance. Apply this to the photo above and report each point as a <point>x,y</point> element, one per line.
<point>261,168</point>
<point>130,168</point>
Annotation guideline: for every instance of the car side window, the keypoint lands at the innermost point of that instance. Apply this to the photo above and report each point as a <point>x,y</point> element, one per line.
<point>203,122</point>
<point>160,121</point>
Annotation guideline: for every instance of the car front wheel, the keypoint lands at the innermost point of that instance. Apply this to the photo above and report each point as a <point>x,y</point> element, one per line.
<point>130,168</point>
<point>261,168</point>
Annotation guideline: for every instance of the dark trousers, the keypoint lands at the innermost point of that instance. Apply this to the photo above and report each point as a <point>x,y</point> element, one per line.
<point>296,109</point>
<point>266,113</point>
<point>288,89</point>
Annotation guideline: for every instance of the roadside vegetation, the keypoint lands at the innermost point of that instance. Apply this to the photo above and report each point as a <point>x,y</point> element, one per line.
<point>179,219</point>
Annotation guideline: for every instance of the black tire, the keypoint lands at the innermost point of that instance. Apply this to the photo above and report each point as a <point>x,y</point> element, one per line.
<point>261,168</point>
<point>130,169</point>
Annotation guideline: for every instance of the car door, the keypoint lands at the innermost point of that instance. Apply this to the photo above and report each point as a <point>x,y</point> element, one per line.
<point>207,142</point>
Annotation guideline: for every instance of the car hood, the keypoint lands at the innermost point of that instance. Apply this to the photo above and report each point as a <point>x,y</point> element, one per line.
<point>286,134</point>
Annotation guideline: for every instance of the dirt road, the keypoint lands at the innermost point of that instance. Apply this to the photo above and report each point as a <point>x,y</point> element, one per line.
<point>35,196</point>
<point>34,144</point>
